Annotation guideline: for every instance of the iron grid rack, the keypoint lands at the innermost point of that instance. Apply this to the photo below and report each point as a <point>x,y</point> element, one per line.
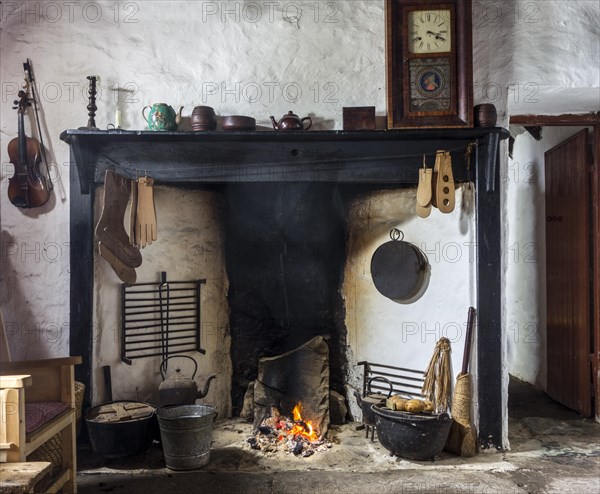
<point>160,318</point>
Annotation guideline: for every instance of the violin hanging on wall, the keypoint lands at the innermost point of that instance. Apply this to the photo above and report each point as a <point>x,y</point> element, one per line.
<point>28,188</point>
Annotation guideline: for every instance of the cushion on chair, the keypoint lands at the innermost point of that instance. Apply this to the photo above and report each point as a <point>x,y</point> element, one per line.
<point>40,413</point>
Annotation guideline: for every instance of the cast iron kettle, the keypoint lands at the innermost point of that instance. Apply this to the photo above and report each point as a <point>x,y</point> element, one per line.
<point>291,121</point>
<point>178,389</point>
<point>371,398</point>
<point>399,268</point>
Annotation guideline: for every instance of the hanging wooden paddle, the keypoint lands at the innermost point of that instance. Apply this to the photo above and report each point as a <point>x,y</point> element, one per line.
<point>444,182</point>
<point>145,220</point>
<point>424,191</point>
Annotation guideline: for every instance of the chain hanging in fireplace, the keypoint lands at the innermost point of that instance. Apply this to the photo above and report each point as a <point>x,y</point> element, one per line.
<point>159,319</point>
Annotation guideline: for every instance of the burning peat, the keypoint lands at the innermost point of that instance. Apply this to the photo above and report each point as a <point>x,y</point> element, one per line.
<point>297,436</point>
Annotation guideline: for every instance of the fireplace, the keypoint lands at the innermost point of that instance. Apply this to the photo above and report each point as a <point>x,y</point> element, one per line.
<point>285,197</point>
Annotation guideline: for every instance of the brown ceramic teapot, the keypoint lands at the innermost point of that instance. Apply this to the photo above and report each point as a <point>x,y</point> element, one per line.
<point>291,121</point>
<point>178,389</point>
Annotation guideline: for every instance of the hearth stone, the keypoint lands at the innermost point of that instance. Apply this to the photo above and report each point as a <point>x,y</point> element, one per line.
<point>337,408</point>
<point>248,407</point>
<point>298,376</point>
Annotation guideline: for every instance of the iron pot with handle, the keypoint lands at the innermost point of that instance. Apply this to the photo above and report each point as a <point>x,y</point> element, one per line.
<point>366,402</point>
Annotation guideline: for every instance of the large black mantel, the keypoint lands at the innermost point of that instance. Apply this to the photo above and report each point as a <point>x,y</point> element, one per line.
<point>379,158</point>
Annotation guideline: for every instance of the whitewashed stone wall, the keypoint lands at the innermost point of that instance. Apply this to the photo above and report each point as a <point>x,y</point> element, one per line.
<point>387,332</point>
<point>189,247</point>
<point>255,58</point>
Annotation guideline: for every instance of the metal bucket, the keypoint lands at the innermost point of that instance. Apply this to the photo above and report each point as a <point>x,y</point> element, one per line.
<point>186,434</point>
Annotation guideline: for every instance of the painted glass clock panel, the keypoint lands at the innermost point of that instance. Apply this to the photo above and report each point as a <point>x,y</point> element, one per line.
<point>430,31</point>
<point>430,85</point>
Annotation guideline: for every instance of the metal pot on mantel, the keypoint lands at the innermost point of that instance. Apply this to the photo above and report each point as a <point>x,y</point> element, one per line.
<point>178,389</point>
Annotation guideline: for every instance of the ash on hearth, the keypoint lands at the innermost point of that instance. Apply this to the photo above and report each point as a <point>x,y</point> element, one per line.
<point>278,433</point>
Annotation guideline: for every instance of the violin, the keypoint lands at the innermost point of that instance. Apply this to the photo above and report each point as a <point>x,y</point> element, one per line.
<point>27,188</point>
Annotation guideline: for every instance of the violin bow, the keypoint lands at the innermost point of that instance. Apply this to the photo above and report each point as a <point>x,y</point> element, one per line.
<point>31,82</point>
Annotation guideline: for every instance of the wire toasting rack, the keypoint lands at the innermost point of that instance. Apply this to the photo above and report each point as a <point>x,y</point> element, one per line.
<point>160,318</point>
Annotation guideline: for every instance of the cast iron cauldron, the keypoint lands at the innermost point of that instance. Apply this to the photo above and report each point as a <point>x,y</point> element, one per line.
<point>399,269</point>
<point>412,436</point>
<point>123,436</point>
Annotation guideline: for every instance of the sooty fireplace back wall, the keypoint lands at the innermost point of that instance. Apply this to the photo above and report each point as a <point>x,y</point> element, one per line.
<point>285,255</point>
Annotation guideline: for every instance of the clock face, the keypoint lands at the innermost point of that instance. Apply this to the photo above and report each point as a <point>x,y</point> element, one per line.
<point>429,31</point>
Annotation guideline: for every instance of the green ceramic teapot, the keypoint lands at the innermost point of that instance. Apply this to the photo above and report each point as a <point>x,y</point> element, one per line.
<point>162,117</point>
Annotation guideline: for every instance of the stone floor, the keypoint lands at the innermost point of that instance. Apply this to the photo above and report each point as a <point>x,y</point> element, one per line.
<point>552,450</point>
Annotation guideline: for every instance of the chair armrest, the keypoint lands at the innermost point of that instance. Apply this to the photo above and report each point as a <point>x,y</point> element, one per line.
<point>52,378</point>
<point>15,382</point>
<point>11,367</point>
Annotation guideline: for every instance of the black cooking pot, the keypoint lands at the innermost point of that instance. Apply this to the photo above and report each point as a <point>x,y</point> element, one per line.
<point>413,436</point>
<point>399,269</point>
<point>124,437</point>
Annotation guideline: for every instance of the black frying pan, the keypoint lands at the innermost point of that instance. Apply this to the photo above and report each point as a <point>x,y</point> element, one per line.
<point>399,269</point>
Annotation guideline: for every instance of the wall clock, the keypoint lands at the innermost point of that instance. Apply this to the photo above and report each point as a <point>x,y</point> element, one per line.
<point>429,63</point>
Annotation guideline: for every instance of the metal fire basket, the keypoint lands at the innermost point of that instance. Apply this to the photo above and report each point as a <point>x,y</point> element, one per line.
<point>160,319</point>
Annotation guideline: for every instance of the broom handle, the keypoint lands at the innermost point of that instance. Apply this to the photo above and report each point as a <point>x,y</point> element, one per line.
<point>470,323</point>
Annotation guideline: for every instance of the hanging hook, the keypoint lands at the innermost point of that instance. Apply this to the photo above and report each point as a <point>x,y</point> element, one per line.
<point>396,234</point>
<point>468,156</point>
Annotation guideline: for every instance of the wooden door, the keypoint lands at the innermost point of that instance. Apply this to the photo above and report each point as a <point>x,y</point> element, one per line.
<point>568,273</point>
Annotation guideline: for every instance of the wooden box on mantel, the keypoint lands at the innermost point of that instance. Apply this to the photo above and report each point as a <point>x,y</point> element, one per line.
<point>359,118</point>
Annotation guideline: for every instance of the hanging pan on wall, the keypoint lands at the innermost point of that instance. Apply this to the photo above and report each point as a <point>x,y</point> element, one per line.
<point>400,270</point>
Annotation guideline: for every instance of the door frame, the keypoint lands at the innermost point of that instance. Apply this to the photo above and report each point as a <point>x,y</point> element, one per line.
<point>583,120</point>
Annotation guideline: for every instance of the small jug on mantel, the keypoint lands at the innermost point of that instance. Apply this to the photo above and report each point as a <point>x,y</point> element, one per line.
<point>291,121</point>
<point>178,389</point>
<point>162,116</point>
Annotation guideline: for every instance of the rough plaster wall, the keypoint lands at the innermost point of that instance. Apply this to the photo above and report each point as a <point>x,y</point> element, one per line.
<point>251,63</point>
<point>537,57</point>
<point>189,247</point>
<point>404,335</point>
<point>526,271</point>
<point>182,53</point>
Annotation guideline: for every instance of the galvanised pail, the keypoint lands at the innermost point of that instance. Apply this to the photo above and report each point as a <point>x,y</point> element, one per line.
<point>186,434</point>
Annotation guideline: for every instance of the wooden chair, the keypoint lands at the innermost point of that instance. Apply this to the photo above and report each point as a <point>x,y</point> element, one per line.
<point>44,391</point>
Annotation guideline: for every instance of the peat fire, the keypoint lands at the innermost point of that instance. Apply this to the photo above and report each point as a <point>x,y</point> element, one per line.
<point>290,435</point>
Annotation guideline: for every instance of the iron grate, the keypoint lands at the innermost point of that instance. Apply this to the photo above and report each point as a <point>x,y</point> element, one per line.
<point>160,319</point>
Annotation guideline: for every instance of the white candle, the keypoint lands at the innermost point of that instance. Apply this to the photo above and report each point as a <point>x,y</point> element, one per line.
<point>117,118</point>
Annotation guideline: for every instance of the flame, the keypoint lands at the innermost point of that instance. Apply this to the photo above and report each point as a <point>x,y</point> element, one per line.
<point>301,427</point>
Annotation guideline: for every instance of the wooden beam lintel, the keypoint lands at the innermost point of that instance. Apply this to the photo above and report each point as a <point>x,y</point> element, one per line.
<point>575,119</point>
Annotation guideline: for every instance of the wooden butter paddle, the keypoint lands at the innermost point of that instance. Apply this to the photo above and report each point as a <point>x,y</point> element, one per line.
<point>145,219</point>
<point>444,182</point>
<point>424,191</point>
